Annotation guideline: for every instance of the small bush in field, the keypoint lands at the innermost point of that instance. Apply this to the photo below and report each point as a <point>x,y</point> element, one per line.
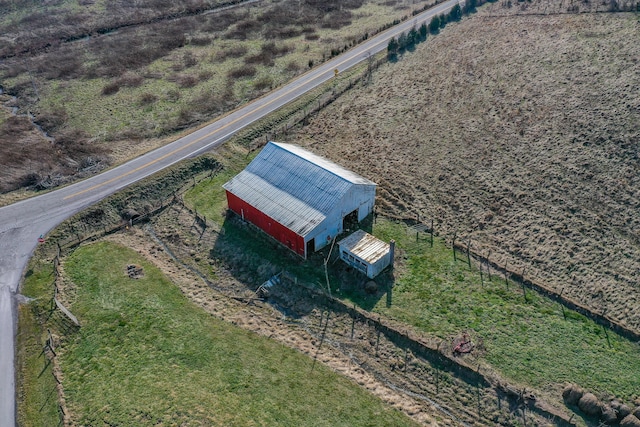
<point>187,80</point>
<point>52,120</point>
<point>200,41</point>
<point>130,80</point>
<point>292,67</point>
<point>263,83</point>
<point>147,98</point>
<point>260,58</point>
<point>173,95</point>
<point>189,59</point>
<point>205,75</point>
<point>282,32</point>
<point>242,72</point>
<point>111,88</point>
<point>234,52</point>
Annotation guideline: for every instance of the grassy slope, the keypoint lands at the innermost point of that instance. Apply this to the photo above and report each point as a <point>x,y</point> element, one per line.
<point>145,354</point>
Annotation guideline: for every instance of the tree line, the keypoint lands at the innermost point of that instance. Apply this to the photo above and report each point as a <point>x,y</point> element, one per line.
<point>408,40</point>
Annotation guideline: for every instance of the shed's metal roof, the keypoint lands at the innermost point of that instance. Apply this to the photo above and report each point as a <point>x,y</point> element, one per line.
<point>365,246</point>
<point>293,186</point>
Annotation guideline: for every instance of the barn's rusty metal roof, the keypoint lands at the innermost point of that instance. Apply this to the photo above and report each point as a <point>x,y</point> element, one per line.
<point>365,246</point>
<point>293,186</point>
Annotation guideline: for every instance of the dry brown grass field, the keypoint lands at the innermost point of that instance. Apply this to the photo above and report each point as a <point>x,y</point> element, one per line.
<point>519,129</point>
<point>85,85</point>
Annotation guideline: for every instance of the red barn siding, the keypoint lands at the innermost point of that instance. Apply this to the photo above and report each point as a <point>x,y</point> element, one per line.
<point>273,228</point>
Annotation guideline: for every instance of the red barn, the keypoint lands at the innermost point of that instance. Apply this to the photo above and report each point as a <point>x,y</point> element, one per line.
<point>299,198</point>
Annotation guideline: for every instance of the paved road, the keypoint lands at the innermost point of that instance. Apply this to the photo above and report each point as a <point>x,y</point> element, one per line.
<point>22,222</point>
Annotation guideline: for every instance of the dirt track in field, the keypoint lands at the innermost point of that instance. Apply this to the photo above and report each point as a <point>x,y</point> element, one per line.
<point>519,131</point>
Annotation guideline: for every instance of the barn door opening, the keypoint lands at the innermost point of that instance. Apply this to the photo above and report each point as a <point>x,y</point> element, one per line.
<point>350,221</point>
<point>311,246</point>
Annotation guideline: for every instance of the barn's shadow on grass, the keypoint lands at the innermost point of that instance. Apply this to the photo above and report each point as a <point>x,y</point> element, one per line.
<point>252,257</point>
<point>362,291</point>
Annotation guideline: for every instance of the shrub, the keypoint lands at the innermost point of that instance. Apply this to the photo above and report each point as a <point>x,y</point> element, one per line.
<point>220,22</point>
<point>14,125</point>
<point>434,25</point>
<point>455,14</point>
<point>200,41</point>
<point>263,83</point>
<point>282,32</point>
<point>242,72</point>
<point>272,49</point>
<point>233,52</point>
<point>630,421</point>
<point>52,120</point>
<point>336,20</point>
<point>189,59</point>
<point>260,58</point>
<point>63,63</point>
<point>443,21</point>
<point>111,88</point>
<point>186,80</point>
<point>249,26</point>
<point>130,50</point>
<point>130,80</point>
<point>173,95</point>
<point>392,47</point>
<point>204,75</point>
<point>30,179</point>
<point>292,67</point>
<point>147,98</point>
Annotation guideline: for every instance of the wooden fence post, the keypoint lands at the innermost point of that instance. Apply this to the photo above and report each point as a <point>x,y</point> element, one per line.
<point>378,337</point>
<point>453,246</point>
<point>432,232</point>
<point>506,278</point>
<point>353,320</point>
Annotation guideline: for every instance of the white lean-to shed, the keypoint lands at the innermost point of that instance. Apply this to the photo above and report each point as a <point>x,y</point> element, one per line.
<point>366,253</point>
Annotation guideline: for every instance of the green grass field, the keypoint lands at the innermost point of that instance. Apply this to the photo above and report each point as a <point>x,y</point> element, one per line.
<point>146,355</point>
